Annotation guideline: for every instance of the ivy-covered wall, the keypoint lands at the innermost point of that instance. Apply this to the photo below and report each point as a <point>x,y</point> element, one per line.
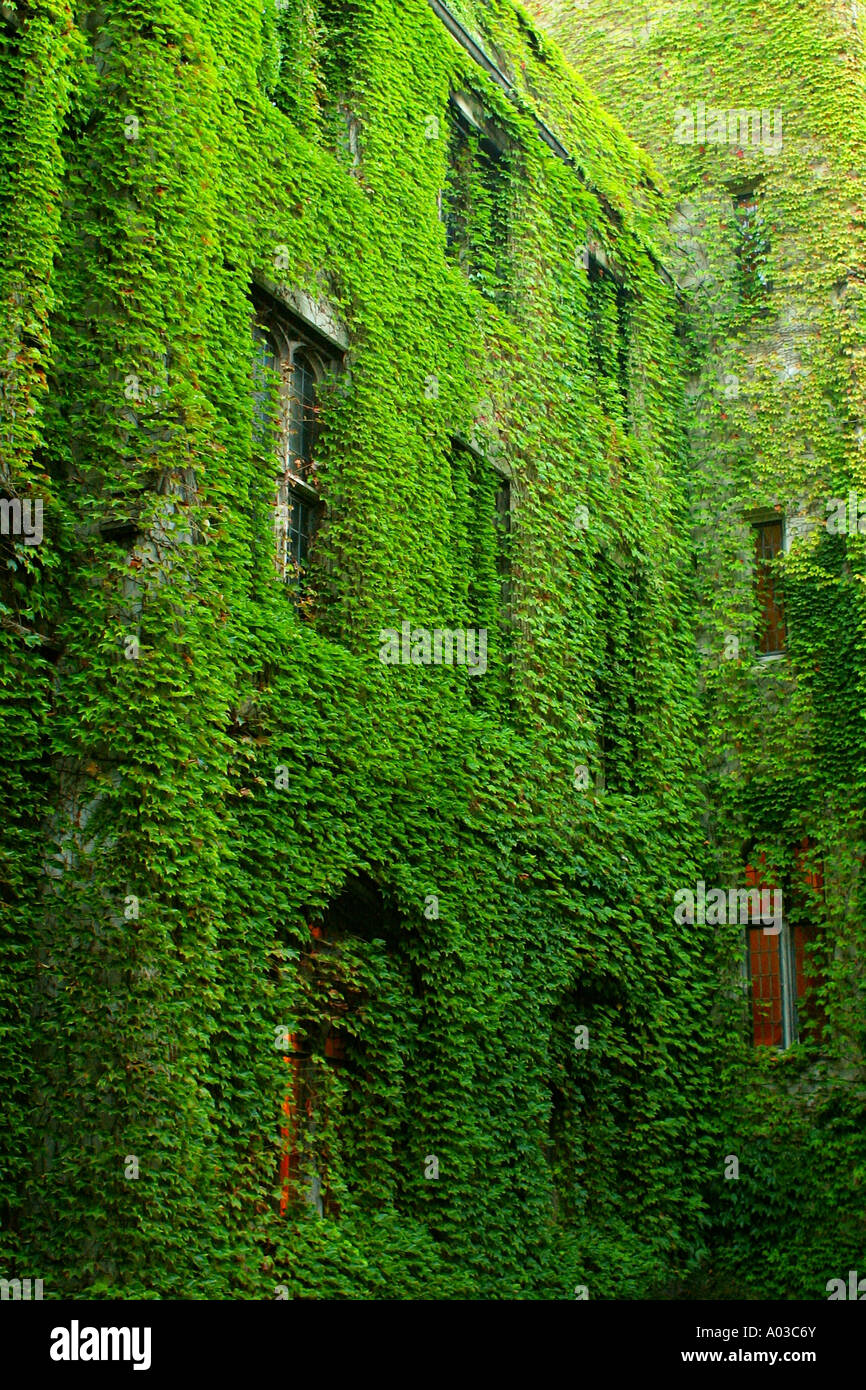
<point>228,825</point>
<point>247,865</point>
<point>766,243</point>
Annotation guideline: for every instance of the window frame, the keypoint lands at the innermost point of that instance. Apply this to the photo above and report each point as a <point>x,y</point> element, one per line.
<point>793,940</point>
<point>504,503</point>
<point>295,491</point>
<point>478,148</point>
<point>759,521</point>
<point>789,1020</point>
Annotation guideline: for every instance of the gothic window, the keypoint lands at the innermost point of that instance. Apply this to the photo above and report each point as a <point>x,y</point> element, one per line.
<point>769,539</point>
<point>298,506</point>
<point>288,371</point>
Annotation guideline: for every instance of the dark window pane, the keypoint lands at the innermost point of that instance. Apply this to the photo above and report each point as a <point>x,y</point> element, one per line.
<point>303,514</point>
<point>768,544</point>
<point>290,432</point>
<point>302,416</point>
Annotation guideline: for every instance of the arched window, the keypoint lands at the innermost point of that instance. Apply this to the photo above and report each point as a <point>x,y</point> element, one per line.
<point>298,508</point>
<point>295,350</point>
<point>286,373</point>
<point>303,1165</point>
<point>338,1063</point>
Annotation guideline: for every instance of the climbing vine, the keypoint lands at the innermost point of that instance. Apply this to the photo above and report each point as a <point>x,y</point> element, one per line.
<point>766,245</point>
<point>201,770</point>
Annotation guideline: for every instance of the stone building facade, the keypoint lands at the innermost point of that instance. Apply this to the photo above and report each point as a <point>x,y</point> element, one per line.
<point>354,712</point>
